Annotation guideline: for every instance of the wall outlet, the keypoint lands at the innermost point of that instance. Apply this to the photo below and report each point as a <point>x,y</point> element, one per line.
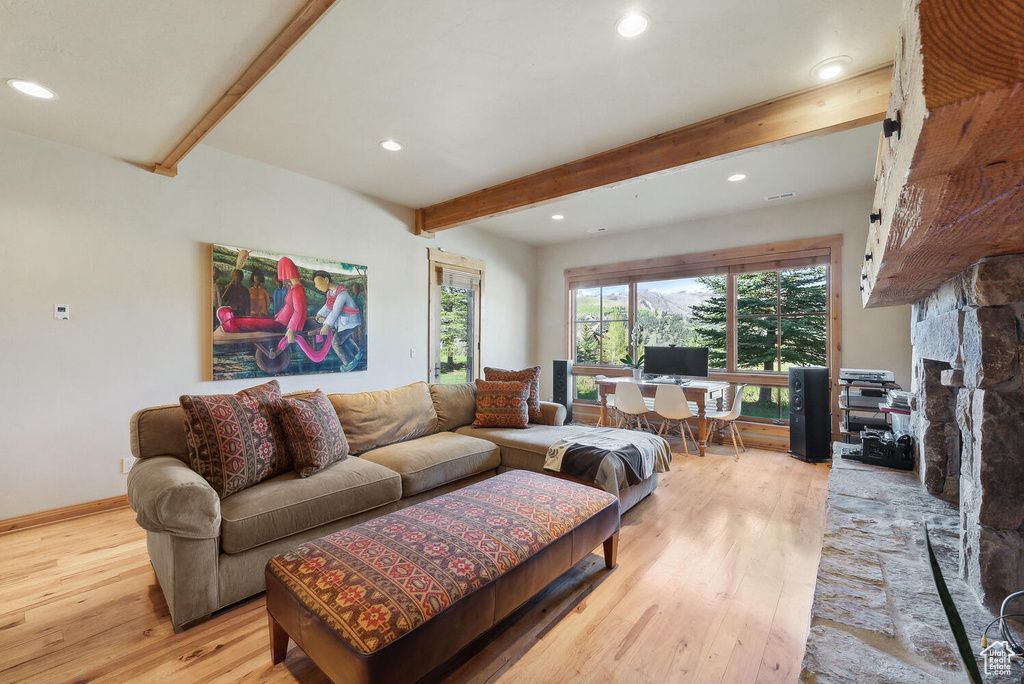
<point>127,463</point>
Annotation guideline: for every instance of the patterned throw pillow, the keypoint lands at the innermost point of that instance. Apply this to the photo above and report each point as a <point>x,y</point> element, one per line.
<point>313,432</point>
<point>501,404</point>
<point>530,376</point>
<point>234,440</point>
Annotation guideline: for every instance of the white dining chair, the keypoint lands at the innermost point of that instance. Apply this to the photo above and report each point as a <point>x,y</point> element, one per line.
<point>631,405</point>
<point>670,403</point>
<point>728,418</point>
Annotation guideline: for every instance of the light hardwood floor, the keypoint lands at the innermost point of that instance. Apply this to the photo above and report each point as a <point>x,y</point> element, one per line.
<point>714,584</point>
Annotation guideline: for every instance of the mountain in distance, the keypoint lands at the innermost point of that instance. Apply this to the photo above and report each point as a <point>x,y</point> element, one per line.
<point>670,302</point>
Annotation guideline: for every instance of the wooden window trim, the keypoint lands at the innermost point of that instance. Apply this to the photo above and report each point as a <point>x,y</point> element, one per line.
<point>731,262</point>
<point>438,259</point>
<point>755,257</point>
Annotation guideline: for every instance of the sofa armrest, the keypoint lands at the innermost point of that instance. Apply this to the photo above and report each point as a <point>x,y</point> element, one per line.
<point>551,413</point>
<point>168,496</point>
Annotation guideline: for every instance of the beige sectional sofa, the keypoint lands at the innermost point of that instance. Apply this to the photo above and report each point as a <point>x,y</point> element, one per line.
<point>408,444</point>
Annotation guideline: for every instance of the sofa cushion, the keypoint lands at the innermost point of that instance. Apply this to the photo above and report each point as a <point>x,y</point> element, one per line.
<point>551,413</point>
<point>288,504</point>
<point>382,417</point>
<point>530,376</point>
<point>522,449</point>
<point>159,431</point>
<point>501,404</point>
<point>234,440</point>
<point>313,432</point>
<point>455,405</point>
<point>435,460</point>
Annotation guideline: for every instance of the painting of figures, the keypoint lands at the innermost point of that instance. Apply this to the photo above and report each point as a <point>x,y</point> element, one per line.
<point>275,314</point>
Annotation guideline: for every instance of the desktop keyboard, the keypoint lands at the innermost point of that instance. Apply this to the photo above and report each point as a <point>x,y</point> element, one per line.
<point>665,380</point>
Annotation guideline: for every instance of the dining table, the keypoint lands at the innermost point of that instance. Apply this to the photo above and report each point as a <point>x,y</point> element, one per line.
<point>698,391</point>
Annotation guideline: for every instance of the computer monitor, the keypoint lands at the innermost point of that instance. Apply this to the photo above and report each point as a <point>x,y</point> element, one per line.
<point>692,361</point>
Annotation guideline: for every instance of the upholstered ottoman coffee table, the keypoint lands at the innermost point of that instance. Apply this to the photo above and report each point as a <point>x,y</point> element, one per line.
<point>389,600</point>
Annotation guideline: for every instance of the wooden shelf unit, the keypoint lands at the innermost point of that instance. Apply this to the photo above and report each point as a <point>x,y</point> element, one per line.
<point>845,409</point>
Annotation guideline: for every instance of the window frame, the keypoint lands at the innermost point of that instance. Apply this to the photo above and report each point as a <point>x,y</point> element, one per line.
<point>778,315</point>
<point>439,261</point>
<point>778,256</point>
<point>601,320</point>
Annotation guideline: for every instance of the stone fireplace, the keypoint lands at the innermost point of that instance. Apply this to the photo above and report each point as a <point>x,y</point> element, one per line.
<point>968,339</point>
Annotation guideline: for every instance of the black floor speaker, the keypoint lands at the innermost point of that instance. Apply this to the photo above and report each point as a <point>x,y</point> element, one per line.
<point>810,421</point>
<point>562,384</point>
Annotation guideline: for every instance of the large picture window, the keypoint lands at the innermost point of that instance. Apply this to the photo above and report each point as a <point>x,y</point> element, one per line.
<point>758,310</point>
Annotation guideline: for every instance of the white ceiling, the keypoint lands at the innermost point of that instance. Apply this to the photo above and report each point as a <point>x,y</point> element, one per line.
<point>815,167</point>
<point>132,76</point>
<point>478,92</point>
<point>483,92</point>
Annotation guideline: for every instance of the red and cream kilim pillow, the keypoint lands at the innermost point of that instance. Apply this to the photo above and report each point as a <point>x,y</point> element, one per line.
<point>313,432</point>
<point>233,439</point>
<point>501,404</point>
<point>530,376</point>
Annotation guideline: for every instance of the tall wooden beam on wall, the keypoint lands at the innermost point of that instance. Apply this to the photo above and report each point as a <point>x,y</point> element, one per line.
<point>839,106</point>
<point>271,56</point>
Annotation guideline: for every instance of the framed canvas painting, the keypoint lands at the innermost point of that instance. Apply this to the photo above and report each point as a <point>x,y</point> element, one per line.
<point>277,314</point>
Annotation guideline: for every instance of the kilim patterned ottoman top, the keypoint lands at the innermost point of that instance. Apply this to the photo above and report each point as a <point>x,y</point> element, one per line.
<point>374,582</point>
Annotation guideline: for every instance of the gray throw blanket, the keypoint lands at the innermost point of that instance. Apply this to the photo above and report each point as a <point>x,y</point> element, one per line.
<point>610,458</point>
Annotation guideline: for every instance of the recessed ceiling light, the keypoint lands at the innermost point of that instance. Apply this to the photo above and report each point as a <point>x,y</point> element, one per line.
<point>557,217</point>
<point>632,25</point>
<point>831,68</point>
<point>737,177</point>
<point>32,89</point>
<point>391,145</point>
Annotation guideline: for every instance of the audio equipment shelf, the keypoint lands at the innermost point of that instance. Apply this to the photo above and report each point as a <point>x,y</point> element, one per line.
<point>873,417</point>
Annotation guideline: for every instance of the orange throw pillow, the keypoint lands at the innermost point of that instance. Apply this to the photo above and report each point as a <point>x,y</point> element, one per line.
<point>530,376</point>
<point>501,404</point>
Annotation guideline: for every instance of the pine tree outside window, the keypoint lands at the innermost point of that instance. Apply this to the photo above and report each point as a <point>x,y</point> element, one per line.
<point>757,322</point>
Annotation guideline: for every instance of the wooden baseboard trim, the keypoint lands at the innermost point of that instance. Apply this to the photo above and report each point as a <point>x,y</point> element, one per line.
<point>23,522</point>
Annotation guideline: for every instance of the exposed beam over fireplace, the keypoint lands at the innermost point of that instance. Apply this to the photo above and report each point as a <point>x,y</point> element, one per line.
<point>951,171</point>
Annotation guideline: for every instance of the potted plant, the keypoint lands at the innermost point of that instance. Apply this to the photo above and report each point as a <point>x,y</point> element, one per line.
<point>636,364</point>
<point>636,340</point>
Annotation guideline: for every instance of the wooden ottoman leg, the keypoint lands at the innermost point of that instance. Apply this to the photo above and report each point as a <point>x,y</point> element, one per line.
<point>278,640</point>
<point>611,550</point>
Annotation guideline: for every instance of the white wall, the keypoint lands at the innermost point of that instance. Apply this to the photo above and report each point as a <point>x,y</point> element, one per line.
<point>128,252</point>
<point>874,338</point>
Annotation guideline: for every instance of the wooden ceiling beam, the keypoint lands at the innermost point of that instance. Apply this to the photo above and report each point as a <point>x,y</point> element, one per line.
<point>271,56</point>
<point>852,102</point>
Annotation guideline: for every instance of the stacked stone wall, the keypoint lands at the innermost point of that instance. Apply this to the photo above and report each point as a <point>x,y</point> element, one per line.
<point>968,339</point>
